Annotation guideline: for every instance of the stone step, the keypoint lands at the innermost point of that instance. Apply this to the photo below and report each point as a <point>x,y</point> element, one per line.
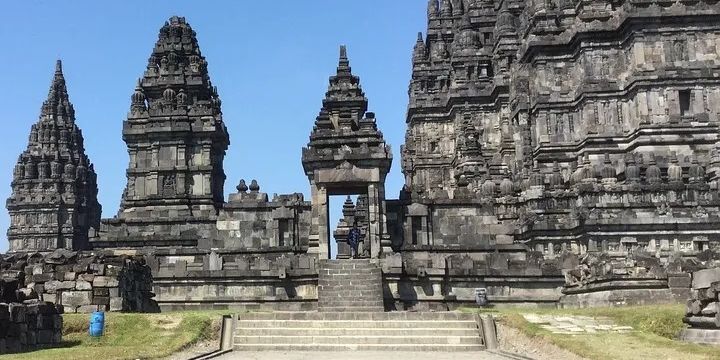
<point>351,282</point>
<point>405,325</point>
<point>363,347</point>
<point>329,289</point>
<point>348,263</point>
<point>345,261</point>
<point>368,300</point>
<point>380,316</point>
<point>359,340</point>
<point>323,303</point>
<point>356,272</point>
<point>357,331</point>
<point>350,329</point>
<point>349,266</point>
<point>366,270</point>
<point>349,279</point>
<point>351,308</point>
<point>344,293</point>
<point>369,270</point>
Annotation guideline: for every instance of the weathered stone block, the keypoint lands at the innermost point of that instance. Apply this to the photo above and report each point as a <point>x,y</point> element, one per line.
<point>702,279</point>
<point>76,298</point>
<point>87,309</point>
<point>55,286</point>
<point>101,292</point>
<point>100,300</point>
<point>17,313</point>
<point>44,277</point>
<point>45,336</point>
<point>83,285</point>
<point>98,269</point>
<point>105,281</point>
<point>679,281</point>
<point>70,276</point>
<point>4,312</point>
<point>116,304</point>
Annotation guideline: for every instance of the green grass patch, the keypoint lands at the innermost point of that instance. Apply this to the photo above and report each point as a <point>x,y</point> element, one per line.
<point>130,336</point>
<point>656,328</point>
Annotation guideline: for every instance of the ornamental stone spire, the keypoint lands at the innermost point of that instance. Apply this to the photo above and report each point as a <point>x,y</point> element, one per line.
<point>347,154</point>
<point>54,189</point>
<point>175,133</point>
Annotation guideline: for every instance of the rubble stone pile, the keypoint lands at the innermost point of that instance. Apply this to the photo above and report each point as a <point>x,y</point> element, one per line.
<point>80,282</point>
<point>703,309</point>
<point>26,325</point>
<point>640,278</point>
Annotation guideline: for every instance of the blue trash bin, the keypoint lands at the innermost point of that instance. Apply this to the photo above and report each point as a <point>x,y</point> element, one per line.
<point>97,324</point>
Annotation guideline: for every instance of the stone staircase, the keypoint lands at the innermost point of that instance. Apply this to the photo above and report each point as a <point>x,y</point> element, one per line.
<point>358,331</point>
<point>350,285</point>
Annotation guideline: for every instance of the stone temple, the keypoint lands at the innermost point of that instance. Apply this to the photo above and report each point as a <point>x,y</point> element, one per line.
<point>547,141</point>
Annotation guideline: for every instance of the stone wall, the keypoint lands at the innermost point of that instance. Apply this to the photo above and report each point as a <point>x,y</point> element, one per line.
<point>421,280</point>
<point>601,279</point>
<point>81,282</point>
<point>611,279</point>
<point>251,220</point>
<point>190,279</point>
<point>28,326</point>
<point>703,309</point>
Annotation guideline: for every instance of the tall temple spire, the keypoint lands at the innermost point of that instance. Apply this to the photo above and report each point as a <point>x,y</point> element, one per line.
<point>54,199</point>
<point>175,134</point>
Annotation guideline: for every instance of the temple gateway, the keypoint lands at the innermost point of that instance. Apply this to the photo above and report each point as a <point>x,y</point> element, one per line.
<point>546,142</point>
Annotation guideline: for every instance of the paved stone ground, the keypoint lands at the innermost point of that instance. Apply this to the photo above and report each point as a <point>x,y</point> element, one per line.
<point>360,355</point>
<point>575,325</point>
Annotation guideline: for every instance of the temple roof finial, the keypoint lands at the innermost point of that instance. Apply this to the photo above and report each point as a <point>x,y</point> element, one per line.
<point>343,63</point>
<point>57,102</point>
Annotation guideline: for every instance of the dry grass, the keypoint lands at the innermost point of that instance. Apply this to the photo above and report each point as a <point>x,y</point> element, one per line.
<point>130,336</point>
<point>654,337</point>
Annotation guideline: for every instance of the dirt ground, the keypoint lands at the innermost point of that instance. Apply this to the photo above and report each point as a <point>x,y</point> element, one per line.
<point>513,341</point>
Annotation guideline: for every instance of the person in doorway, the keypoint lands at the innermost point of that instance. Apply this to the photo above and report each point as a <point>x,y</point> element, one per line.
<point>354,239</point>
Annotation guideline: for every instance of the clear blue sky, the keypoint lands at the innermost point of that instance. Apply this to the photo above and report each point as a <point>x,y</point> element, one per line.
<point>269,59</point>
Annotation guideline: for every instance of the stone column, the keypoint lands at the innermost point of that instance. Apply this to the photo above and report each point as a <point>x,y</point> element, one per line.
<point>314,237</point>
<point>407,227</point>
<point>424,228</point>
<point>374,219</point>
<point>385,240</point>
<point>323,240</point>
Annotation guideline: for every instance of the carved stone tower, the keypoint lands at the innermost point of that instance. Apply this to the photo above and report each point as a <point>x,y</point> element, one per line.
<point>175,134</point>
<point>347,155</point>
<point>54,189</point>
